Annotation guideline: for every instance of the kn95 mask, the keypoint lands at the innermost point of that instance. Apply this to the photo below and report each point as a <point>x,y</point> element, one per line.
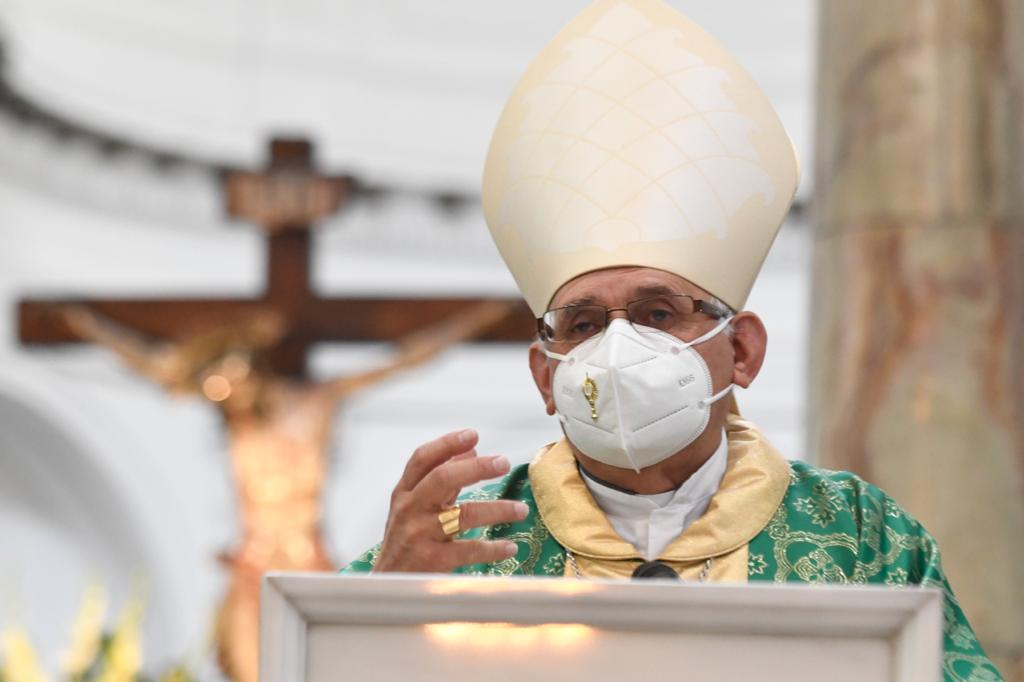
<point>631,398</point>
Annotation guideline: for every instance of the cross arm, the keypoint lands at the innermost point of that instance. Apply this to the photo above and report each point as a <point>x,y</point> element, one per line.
<point>423,345</point>
<point>318,320</point>
<point>40,320</point>
<point>395,320</point>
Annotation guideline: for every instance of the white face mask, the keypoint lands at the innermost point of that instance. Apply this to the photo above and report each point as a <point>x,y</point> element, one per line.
<point>631,399</point>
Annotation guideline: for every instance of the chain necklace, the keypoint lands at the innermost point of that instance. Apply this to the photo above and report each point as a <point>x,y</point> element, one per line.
<point>702,578</point>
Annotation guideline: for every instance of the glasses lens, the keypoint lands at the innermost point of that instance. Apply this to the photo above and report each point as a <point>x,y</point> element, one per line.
<point>574,323</point>
<point>672,313</point>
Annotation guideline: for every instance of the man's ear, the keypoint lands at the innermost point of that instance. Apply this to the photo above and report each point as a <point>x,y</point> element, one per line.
<point>749,343</point>
<point>543,371</point>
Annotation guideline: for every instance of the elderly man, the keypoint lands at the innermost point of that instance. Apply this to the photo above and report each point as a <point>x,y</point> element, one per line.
<point>634,184</point>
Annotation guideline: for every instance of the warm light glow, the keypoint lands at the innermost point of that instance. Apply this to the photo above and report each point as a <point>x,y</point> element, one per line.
<point>508,635</point>
<point>216,388</point>
<point>235,367</point>
<point>477,586</point>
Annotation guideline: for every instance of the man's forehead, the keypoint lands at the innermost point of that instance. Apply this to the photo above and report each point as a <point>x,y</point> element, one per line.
<point>614,283</point>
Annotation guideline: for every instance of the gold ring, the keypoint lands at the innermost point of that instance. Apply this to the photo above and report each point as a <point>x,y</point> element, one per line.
<point>449,519</point>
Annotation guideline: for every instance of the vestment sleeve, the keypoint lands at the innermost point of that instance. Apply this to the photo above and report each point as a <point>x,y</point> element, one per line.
<point>964,658</point>
<point>364,562</point>
<point>920,563</point>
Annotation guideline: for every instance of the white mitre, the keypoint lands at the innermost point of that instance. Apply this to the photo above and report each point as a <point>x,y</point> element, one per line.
<point>635,138</point>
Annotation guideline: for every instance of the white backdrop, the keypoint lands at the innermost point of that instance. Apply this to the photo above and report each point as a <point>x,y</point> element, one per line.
<point>406,90</point>
<point>101,474</point>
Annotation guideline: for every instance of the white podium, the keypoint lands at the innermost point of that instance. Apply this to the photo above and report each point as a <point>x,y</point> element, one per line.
<point>316,628</point>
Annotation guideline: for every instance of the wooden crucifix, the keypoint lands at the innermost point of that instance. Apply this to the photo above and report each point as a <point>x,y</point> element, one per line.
<point>249,356</point>
<point>284,200</point>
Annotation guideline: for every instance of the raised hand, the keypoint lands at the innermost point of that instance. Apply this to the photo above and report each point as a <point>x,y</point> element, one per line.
<point>414,540</point>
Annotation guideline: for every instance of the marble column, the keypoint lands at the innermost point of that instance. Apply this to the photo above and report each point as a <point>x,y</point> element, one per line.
<point>917,351</point>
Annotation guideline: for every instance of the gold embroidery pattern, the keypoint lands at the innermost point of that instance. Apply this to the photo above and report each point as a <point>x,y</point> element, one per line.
<point>823,504</point>
<point>896,578</point>
<point>963,636</point>
<point>892,510</point>
<point>533,539</point>
<point>555,565</point>
<point>529,533</point>
<point>834,527</point>
<point>785,537</point>
<point>819,567</point>
<point>968,668</point>
<point>486,493</point>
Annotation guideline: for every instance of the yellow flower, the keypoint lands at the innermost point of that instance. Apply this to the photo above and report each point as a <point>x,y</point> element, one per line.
<point>124,654</point>
<point>87,632</point>
<point>19,659</point>
<point>175,675</point>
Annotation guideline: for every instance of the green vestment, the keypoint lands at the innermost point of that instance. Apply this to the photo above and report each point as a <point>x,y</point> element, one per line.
<point>830,527</point>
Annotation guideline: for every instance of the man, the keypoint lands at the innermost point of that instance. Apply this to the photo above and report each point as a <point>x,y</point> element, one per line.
<point>634,184</point>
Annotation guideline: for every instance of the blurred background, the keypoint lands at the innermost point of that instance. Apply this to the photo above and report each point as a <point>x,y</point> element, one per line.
<point>124,130</point>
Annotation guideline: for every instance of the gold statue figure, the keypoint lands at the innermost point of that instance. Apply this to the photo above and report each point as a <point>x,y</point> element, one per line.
<point>278,431</point>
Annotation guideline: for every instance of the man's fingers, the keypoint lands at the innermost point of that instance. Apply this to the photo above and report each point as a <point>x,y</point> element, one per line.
<point>465,455</point>
<point>439,487</point>
<point>429,455</point>
<point>462,552</point>
<point>489,513</point>
<point>434,476</point>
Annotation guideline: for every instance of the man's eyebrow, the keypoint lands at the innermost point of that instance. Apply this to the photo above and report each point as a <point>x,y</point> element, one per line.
<point>583,300</point>
<point>655,290</point>
<point>638,293</point>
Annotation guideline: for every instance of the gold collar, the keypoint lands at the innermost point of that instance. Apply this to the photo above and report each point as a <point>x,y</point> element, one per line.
<point>755,481</point>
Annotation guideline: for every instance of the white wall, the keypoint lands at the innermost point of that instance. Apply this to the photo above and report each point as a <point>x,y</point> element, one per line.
<point>401,89</point>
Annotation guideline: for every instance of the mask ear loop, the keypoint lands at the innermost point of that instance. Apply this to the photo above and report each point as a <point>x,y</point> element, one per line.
<point>569,361</point>
<point>716,397</point>
<point>557,356</point>
<point>711,334</point>
<point>701,339</point>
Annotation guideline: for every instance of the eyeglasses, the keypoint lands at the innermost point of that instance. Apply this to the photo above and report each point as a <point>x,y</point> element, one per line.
<point>676,314</point>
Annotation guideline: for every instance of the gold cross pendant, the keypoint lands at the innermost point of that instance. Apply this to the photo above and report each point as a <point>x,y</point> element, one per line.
<point>590,392</point>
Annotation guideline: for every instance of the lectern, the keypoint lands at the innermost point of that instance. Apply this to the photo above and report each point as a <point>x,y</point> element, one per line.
<point>316,628</point>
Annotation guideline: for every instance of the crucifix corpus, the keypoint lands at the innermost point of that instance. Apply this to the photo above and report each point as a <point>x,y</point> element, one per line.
<point>248,357</point>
